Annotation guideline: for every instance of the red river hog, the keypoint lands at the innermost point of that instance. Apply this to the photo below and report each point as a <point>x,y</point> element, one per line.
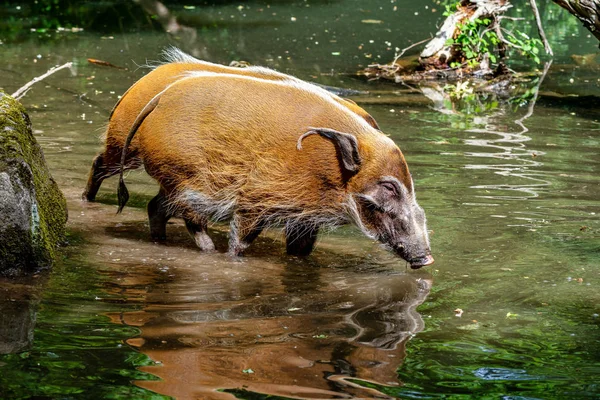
<point>259,153</point>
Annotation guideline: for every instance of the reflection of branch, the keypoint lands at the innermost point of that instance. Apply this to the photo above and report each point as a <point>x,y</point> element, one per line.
<point>534,99</point>
<point>503,150</point>
<point>540,27</point>
<point>24,89</point>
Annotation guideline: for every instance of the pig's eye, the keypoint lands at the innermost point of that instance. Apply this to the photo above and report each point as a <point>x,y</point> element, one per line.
<point>390,187</point>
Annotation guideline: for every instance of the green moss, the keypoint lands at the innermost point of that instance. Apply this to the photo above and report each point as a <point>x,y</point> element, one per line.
<point>20,152</point>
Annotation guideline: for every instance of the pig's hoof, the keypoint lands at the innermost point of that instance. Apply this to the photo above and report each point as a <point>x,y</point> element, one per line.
<point>204,242</point>
<point>159,238</point>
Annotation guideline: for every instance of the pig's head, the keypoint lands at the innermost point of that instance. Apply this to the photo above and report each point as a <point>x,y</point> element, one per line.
<point>389,212</point>
<point>381,198</point>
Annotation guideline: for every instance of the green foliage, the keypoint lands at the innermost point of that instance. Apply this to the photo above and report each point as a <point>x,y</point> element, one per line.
<point>477,39</point>
<point>527,46</point>
<point>460,90</point>
<point>468,102</point>
<point>474,41</point>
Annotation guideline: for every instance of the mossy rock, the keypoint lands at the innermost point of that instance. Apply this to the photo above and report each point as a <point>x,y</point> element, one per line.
<point>33,210</point>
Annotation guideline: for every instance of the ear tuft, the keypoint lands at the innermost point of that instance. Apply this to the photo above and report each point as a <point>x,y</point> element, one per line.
<point>345,144</point>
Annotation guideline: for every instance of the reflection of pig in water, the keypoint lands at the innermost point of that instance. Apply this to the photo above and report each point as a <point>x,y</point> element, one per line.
<point>383,327</point>
<point>303,334</point>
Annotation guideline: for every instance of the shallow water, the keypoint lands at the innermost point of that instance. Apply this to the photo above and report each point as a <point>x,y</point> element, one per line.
<point>513,209</point>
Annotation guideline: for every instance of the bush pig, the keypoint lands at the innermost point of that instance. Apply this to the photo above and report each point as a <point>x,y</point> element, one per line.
<point>106,164</point>
<point>263,152</point>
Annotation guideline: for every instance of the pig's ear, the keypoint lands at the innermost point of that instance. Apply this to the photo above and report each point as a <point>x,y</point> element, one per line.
<point>345,144</point>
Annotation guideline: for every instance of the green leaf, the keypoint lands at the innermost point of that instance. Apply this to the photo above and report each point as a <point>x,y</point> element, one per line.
<point>523,34</point>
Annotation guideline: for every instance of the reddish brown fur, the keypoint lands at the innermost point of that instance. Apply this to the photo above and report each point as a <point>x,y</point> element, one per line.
<point>138,95</point>
<point>250,144</point>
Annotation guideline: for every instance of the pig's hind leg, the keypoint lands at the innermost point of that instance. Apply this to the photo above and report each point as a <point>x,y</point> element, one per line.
<point>300,239</point>
<point>105,165</point>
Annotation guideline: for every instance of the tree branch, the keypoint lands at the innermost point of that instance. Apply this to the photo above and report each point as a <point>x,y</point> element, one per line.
<point>588,12</point>
<point>540,27</point>
<point>408,48</point>
<point>24,89</point>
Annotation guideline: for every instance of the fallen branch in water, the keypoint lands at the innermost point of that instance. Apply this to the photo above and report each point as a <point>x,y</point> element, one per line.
<point>408,48</point>
<point>24,89</point>
<point>471,43</point>
<point>104,63</point>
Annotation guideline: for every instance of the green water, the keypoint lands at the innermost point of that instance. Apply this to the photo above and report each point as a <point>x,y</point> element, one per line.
<point>514,210</point>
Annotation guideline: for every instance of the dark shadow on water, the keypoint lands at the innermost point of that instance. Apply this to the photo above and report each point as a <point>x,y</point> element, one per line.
<point>19,301</point>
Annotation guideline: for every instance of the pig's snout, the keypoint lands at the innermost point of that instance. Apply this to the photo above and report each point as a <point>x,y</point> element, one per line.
<point>417,263</point>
